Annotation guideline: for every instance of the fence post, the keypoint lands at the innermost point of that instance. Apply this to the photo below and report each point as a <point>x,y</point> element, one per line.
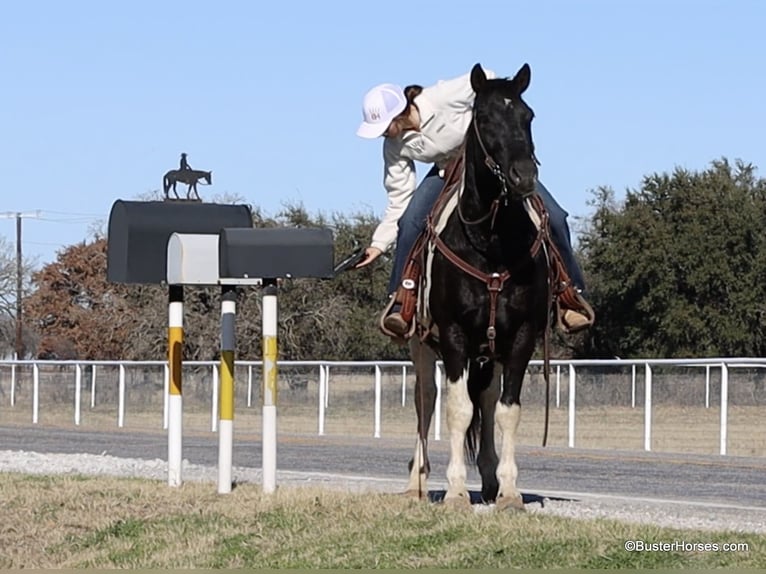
<point>558,386</point>
<point>322,391</point>
<point>648,407</point>
<point>93,387</point>
<point>165,386</point>
<point>404,385</point>
<point>724,406</point>
<point>77,392</point>
<point>13,385</point>
<point>35,392</point>
<point>214,407</point>
<point>707,386</point>
<point>571,413</point>
<point>249,385</point>
<point>121,403</point>
<point>378,384</point>
<point>633,388</point>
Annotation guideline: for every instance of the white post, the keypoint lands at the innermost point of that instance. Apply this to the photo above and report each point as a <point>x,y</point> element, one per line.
<point>571,413</point>
<point>378,393</point>
<point>165,387</point>
<point>438,404</point>
<point>322,391</point>
<point>214,407</point>
<point>558,386</point>
<point>175,397</point>
<point>226,413</point>
<point>13,385</point>
<point>404,385</point>
<point>648,408</point>
<point>77,392</point>
<point>93,387</point>
<point>270,354</point>
<point>250,385</point>
<point>121,403</point>
<point>707,386</point>
<point>35,392</point>
<point>326,386</point>
<point>724,406</point>
<point>633,389</point>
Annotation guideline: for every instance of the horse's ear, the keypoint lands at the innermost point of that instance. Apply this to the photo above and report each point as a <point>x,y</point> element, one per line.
<point>478,78</point>
<point>521,79</point>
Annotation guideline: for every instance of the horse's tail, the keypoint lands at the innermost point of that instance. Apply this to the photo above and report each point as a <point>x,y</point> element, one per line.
<point>481,379</point>
<point>473,432</point>
<point>165,184</point>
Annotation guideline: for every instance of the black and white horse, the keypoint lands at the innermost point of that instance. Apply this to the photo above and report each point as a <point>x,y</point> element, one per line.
<point>487,296</point>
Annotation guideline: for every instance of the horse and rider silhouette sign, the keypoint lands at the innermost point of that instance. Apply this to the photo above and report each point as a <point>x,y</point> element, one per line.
<point>185,174</point>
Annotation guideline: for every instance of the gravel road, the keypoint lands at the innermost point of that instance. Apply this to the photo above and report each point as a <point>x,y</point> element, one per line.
<point>707,492</point>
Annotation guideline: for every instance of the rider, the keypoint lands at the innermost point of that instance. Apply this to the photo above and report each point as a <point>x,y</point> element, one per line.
<point>428,125</point>
<point>184,164</point>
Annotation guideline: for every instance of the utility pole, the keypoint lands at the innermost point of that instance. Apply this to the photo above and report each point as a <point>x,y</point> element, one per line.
<point>18,215</point>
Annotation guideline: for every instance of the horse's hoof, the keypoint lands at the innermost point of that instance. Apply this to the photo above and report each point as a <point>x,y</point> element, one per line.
<point>510,503</point>
<point>458,501</point>
<point>415,494</point>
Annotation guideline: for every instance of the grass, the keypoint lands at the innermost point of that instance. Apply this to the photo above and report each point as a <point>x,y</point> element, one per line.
<point>78,522</point>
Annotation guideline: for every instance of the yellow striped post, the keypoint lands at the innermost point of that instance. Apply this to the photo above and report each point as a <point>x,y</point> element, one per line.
<point>226,394</point>
<point>269,394</point>
<point>175,398</point>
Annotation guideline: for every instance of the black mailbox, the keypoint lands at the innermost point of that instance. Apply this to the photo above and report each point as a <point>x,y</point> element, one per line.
<point>273,253</point>
<point>137,240</point>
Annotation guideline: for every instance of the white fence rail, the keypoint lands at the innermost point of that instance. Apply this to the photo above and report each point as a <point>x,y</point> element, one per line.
<point>10,369</point>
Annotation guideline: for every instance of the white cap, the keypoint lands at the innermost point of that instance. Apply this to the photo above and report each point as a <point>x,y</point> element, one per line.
<point>381,105</point>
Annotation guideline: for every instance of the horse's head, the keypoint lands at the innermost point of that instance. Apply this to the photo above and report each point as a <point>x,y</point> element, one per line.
<point>501,131</point>
<point>208,177</point>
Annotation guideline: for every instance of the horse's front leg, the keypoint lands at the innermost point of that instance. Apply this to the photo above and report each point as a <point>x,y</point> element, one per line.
<point>425,399</point>
<point>507,416</point>
<point>459,414</point>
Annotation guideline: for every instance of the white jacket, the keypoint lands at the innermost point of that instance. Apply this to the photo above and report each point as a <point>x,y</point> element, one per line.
<point>445,110</point>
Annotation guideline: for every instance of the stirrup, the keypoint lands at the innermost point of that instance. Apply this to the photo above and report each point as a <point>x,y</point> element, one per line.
<point>581,307</point>
<point>400,339</point>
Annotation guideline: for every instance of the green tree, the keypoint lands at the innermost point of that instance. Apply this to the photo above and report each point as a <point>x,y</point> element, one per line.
<point>677,269</point>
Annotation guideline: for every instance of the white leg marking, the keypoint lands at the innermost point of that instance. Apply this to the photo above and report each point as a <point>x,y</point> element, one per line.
<point>507,420</point>
<point>459,413</point>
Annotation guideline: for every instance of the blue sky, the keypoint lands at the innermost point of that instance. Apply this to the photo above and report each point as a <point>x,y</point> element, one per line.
<point>98,98</point>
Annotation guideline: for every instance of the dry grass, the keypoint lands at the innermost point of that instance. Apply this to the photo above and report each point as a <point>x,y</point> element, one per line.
<point>70,522</point>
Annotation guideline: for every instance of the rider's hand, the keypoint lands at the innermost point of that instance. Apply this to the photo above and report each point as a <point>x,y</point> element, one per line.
<point>370,255</point>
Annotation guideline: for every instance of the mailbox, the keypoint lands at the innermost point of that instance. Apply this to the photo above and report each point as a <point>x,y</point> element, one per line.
<point>139,231</point>
<point>272,253</point>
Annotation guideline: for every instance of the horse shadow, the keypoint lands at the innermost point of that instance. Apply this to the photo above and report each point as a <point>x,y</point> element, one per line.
<point>437,496</point>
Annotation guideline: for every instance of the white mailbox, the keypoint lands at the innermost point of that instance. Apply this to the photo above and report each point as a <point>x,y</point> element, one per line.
<point>192,259</point>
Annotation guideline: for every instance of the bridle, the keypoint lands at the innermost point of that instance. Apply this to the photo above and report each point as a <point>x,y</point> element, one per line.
<point>505,185</point>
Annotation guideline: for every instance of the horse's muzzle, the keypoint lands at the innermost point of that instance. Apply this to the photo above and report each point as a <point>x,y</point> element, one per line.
<point>523,174</point>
